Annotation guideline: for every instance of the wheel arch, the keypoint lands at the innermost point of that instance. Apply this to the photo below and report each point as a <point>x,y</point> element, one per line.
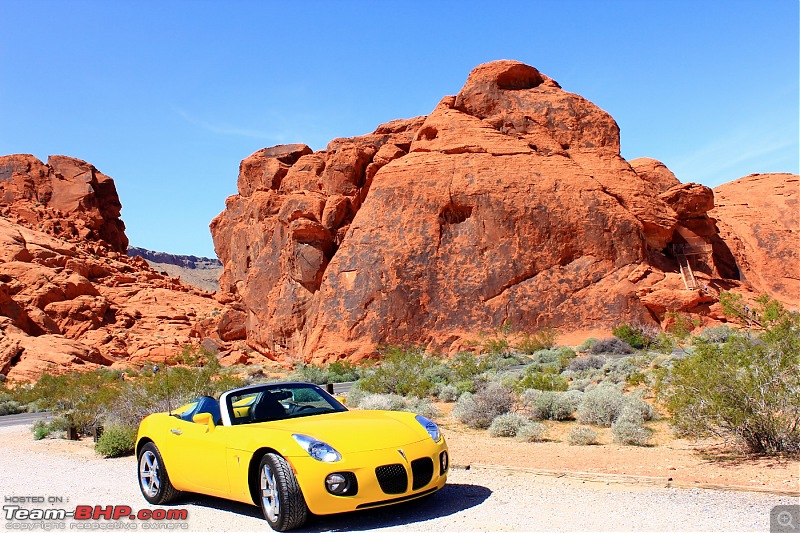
<point>141,443</point>
<point>252,471</point>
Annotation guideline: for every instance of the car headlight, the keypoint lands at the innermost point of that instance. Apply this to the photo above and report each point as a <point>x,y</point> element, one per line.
<point>431,427</point>
<point>321,451</point>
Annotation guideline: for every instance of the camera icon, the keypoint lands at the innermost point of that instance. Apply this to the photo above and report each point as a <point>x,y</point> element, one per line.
<point>784,519</point>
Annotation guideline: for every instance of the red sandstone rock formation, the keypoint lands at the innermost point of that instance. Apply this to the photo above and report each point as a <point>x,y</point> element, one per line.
<point>69,296</point>
<point>759,222</point>
<point>509,202</point>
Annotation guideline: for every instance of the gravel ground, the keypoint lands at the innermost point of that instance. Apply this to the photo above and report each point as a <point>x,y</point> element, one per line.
<point>473,500</point>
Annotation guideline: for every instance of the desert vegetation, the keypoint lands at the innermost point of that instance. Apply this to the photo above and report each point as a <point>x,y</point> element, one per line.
<point>739,384</point>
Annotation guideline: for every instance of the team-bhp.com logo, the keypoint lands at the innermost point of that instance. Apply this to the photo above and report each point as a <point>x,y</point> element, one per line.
<point>94,517</point>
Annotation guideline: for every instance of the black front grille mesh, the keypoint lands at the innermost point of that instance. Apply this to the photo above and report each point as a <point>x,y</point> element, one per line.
<point>422,472</point>
<point>393,479</point>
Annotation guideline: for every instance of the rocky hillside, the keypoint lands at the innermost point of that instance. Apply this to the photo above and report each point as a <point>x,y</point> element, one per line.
<point>200,272</point>
<point>509,202</point>
<point>69,296</point>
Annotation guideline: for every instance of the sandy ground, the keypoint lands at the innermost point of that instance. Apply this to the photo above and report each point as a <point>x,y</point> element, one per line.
<point>683,461</point>
<point>477,499</point>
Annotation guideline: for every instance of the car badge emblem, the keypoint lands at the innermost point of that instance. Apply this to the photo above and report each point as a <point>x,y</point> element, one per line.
<point>403,455</point>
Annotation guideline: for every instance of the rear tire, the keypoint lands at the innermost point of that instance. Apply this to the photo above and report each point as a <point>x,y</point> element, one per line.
<point>153,478</point>
<point>279,494</point>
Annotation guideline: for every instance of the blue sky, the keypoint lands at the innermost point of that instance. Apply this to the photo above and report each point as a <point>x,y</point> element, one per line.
<point>168,97</point>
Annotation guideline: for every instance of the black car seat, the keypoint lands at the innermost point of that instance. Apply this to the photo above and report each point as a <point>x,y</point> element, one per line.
<point>267,408</point>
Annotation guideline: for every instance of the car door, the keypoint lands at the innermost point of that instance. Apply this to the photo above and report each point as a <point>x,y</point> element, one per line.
<point>200,456</point>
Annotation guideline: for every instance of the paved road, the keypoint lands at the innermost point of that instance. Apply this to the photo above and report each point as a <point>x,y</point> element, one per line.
<point>23,419</point>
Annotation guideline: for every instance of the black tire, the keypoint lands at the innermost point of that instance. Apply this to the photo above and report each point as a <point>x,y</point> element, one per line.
<point>279,494</point>
<point>153,478</point>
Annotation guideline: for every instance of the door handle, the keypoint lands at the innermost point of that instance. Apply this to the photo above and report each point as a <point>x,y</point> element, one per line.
<point>177,431</point>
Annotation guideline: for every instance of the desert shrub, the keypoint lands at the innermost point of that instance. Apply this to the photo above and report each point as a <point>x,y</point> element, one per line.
<point>747,388</point>
<point>580,364</point>
<point>586,345</point>
<point>582,436</point>
<point>342,372</point>
<point>401,371</point>
<point>46,428</point>
<point>634,336</point>
<point>532,432</point>
<point>718,334</point>
<point>629,429</point>
<point>479,409</point>
<point>619,370</point>
<point>681,325</point>
<point>464,366</point>
<point>548,379</point>
<point>497,343</point>
<point>9,406</point>
<point>424,407</point>
<point>309,373</point>
<point>448,393</point>
<point>507,425</point>
<point>354,396</point>
<point>383,402</point>
<point>117,440</point>
<point>612,346</point>
<point>550,405</point>
<point>544,339</point>
<point>601,406</point>
<point>466,386</point>
<point>580,385</point>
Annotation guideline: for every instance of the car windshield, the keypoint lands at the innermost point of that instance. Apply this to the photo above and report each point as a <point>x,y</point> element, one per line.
<point>279,402</point>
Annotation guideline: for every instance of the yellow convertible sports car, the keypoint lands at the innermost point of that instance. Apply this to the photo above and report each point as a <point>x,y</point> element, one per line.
<point>290,448</point>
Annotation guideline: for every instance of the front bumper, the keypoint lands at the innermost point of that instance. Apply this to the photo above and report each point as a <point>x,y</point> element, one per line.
<point>372,492</point>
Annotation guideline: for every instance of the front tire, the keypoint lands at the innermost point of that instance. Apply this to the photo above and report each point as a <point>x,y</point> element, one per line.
<point>153,478</point>
<point>279,494</point>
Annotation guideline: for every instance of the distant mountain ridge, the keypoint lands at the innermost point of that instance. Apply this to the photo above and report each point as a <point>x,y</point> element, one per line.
<point>185,261</point>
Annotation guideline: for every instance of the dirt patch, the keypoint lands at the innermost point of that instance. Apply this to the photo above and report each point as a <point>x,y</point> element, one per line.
<point>706,462</point>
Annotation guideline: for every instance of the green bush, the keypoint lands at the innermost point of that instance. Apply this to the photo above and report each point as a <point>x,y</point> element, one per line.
<point>449,393</point>
<point>424,407</point>
<point>532,432</point>
<point>586,345</point>
<point>582,436</point>
<point>117,440</point>
<point>47,428</point>
<point>632,335</point>
<point>544,339</point>
<point>401,371</point>
<point>747,388</point>
<point>343,371</point>
<point>543,380</point>
<point>717,334</point>
<point>507,425</point>
<point>9,406</point>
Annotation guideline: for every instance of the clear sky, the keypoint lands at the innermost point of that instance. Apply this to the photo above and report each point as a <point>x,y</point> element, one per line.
<point>168,97</point>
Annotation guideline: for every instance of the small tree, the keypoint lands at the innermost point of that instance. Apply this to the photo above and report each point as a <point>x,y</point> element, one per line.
<point>747,388</point>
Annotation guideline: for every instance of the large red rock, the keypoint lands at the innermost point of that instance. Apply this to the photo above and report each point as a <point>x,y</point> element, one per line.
<point>759,222</point>
<point>69,298</point>
<point>509,202</point>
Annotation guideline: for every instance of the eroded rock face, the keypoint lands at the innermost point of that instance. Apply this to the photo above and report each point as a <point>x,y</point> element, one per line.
<point>509,202</point>
<point>69,296</point>
<point>759,222</point>
<point>66,197</point>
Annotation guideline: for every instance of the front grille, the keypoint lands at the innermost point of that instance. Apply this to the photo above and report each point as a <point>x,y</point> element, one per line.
<point>393,479</point>
<point>422,472</point>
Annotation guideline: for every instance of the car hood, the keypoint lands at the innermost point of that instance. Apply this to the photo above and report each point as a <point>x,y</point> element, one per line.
<point>357,431</point>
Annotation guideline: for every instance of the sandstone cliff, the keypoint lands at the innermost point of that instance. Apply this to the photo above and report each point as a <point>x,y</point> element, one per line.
<point>759,220</point>
<point>509,202</point>
<point>69,296</point>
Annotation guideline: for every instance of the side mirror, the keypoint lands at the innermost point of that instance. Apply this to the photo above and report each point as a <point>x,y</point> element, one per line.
<point>205,419</point>
<point>341,399</point>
